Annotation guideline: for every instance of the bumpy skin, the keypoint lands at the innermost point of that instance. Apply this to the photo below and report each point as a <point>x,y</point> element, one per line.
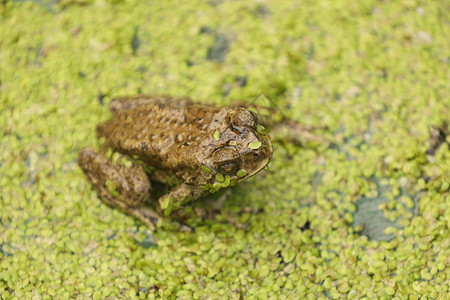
<point>194,148</point>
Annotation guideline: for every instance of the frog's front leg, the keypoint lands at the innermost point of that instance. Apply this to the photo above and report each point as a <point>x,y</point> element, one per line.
<point>214,209</point>
<point>120,182</point>
<point>184,193</point>
<point>179,196</point>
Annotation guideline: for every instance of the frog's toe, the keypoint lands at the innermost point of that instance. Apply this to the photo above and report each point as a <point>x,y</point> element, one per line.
<point>85,157</point>
<point>151,219</point>
<point>148,216</point>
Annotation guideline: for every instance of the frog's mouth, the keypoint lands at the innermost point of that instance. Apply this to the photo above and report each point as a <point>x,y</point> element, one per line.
<point>254,160</point>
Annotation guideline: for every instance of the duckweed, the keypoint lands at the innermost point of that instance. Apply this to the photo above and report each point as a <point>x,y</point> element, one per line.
<point>365,218</point>
<point>241,173</point>
<point>216,135</point>
<point>111,186</point>
<point>126,162</point>
<point>219,177</point>
<point>261,129</point>
<point>255,145</point>
<point>206,169</point>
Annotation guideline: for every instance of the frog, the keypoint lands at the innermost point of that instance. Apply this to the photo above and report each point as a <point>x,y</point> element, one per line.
<point>195,149</point>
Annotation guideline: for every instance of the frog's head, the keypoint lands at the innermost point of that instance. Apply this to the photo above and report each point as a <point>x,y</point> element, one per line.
<point>242,150</point>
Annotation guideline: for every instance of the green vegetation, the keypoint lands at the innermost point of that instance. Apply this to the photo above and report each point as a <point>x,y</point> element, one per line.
<point>368,217</point>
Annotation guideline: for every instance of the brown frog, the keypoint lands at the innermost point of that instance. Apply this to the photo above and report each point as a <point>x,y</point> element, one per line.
<point>197,149</point>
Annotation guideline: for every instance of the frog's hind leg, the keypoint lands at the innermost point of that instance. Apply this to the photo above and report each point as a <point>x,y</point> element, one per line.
<point>120,182</point>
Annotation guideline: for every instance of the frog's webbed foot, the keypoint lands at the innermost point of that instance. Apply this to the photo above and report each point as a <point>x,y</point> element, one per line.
<point>120,182</point>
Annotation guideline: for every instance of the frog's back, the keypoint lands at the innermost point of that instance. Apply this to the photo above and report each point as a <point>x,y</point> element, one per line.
<point>164,134</point>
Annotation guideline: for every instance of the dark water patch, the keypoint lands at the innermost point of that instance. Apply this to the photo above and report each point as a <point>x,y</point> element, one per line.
<point>219,49</point>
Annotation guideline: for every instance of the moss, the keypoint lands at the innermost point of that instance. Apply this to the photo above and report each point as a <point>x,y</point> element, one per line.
<point>367,76</point>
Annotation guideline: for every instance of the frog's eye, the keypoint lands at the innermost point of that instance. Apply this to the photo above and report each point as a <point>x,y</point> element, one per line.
<point>244,118</point>
<point>228,168</point>
<point>226,159</point>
